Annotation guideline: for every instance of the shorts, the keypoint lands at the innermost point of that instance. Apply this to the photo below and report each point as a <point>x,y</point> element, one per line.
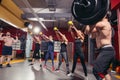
<point>104,59</point>
<point>36,54</point>
<point>7,50</point>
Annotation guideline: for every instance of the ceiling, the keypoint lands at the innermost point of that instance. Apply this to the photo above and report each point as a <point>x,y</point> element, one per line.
<point>5,27</point>
<point>50,12</point>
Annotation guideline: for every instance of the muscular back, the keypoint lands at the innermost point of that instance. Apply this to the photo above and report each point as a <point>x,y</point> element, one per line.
<point>103,33</point>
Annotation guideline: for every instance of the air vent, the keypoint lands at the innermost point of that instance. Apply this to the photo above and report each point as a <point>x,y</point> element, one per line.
<point>52,5</point>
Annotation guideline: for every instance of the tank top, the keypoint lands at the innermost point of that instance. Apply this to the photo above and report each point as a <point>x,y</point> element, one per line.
<point>78,45</point>
<point>37,46</point>
<point>63,47</point>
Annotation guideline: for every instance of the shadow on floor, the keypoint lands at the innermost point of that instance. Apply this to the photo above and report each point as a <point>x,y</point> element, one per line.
<point>73,78</point>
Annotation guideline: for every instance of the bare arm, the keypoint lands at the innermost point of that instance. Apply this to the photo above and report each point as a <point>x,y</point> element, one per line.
<point>15,40</point>
<point>89,29</point>
<point>93,35</point>
<point>37,39</point>
<point>45,37</point>
<point>96,27</point>
<point>72,34</point>
<point>76,31</point>
<point>80,35</point>
<point>63,37</point>
<point>100,25</point>
<point>34,39</point>
<point>58,36</point>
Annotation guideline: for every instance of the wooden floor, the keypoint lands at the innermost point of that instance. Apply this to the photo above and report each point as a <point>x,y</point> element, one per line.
<point>23,71</point>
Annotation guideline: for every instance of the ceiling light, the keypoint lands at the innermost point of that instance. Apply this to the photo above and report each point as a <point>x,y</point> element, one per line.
<point>36,30</point>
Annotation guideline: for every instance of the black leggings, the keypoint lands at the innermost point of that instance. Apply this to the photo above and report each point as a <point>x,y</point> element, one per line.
<point>82,59</point>
<point>51,53</point>
<point>65,56</point>
<point>36,54</point>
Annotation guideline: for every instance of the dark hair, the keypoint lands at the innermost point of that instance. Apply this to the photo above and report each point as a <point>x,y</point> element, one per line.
<point>108,15</point>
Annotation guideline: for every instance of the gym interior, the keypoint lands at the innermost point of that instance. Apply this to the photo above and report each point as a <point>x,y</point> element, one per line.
<point>25,18</point>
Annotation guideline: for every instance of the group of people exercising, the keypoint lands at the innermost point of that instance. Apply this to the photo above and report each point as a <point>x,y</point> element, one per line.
<point>101,31</point>
<point>79,38</point>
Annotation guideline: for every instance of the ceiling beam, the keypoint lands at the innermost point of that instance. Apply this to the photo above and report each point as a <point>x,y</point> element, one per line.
<point>47,15</point>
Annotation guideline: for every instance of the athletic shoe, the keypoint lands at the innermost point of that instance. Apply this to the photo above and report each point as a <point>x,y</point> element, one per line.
<point>1,66</point>
<point>112,71</point>
<point>70,74</point>
<point>41,65</point>
<point>57,70</point>
<point>53,68</point>
<point>31,64</point>
<point>67,73</point>
<point>8,65</point>
<point>11,59</point>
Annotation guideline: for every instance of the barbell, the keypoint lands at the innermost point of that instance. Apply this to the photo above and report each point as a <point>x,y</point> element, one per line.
<point>89,12</point>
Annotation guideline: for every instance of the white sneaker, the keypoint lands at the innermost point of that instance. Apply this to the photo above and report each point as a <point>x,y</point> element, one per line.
<point>70,74</point>
<point>113,71</point>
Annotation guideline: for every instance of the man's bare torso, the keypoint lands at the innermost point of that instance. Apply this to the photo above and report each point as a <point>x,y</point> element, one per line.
<point>8,41</point>
<point>103,34</point>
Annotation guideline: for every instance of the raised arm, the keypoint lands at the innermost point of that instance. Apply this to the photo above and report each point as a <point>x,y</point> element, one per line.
<point>65,39</point>
<point>45,37</point>
<point>80,35</point>
<point>58,36</point>
<point>15,40</point>
<point>72,28</point>
<point>93,35</point>
<point>63,36</point>
<point>90,29</point>
<point>35,38</point>
<point>87,30</point>
<point>75,32</point>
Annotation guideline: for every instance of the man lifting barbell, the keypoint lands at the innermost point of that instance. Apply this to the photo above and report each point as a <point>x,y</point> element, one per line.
<point>96,16</point>
<point>102,31</point>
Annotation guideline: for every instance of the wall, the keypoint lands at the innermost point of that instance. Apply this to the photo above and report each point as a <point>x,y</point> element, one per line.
<point>115,4</point>
<point>115,41</point>
<point>118,25</point>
